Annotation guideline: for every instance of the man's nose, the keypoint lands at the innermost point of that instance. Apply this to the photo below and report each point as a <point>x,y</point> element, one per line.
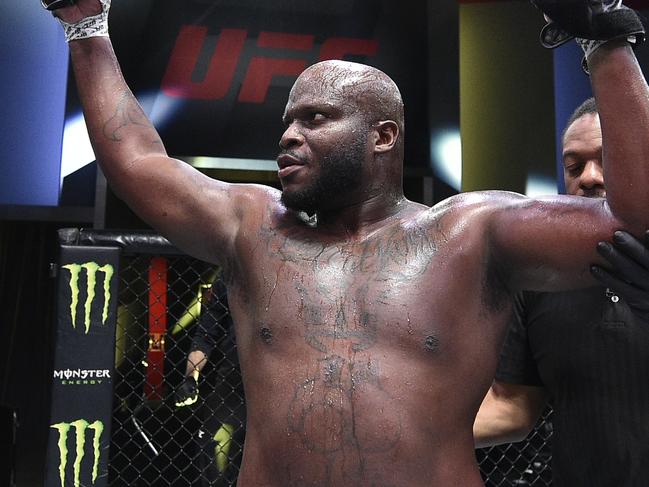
<point>291,137</point>
<point>592,175</point>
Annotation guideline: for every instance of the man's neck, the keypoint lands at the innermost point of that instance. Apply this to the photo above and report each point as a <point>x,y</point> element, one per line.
<point>362,218</point>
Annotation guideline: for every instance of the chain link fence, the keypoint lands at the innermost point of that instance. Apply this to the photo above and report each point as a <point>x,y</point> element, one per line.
<point>161,437</point>
<point>522,464</point>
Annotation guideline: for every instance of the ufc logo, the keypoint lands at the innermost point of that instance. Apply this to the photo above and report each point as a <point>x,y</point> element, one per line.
<point>219,75</point>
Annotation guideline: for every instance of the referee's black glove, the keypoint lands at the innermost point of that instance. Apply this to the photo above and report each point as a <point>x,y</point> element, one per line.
<point>187,392</point>
<point>629,276</point>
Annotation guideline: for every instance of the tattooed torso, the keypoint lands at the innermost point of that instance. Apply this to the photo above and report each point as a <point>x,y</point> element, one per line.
<point>364,359</point>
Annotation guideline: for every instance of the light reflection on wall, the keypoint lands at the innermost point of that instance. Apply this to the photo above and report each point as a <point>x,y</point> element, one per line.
<point>540,185</point>
<point>77,151</point>
<point>446,156</point>
<point>446,161</point>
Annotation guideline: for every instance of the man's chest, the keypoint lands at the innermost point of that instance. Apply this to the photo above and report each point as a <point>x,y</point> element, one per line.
<point>320,270</point>
<point>341,301</point>
<point>399,287</point>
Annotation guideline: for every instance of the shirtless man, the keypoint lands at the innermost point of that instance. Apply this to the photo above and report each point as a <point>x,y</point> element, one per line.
<point>369,335</point>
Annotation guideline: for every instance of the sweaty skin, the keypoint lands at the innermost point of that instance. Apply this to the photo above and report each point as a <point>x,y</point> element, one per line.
<point>368,336</point>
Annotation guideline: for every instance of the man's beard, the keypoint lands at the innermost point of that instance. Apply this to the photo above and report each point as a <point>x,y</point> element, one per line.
<point>595,193</point>
<point>341,171</point>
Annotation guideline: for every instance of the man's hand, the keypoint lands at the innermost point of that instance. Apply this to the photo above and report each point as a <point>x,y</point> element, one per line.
<point>187,392</point>
<point>595,20</point>
<point>629,277</point>
<point>73,10</point>
<point>80,18</point>
<point>56,4</point>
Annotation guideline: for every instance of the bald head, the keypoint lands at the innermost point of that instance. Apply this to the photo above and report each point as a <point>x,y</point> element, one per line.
<point>344,124</point>
<point>356,86</point>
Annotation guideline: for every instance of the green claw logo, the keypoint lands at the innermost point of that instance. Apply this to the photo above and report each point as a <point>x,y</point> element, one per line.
<point>80,426</point>
<point>91,269</point>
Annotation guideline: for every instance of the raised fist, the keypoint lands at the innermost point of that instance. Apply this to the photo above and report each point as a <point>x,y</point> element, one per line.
<point>80,18</point>
<point>601,20</point>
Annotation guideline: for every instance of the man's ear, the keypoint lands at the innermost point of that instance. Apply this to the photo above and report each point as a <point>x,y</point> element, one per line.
<point>386,135</point>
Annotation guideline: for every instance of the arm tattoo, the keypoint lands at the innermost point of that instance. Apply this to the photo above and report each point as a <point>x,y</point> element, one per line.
<point>129,116</point>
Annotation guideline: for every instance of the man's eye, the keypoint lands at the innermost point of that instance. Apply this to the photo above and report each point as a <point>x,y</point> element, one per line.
<point>573,169</point>
<point>317,117</point>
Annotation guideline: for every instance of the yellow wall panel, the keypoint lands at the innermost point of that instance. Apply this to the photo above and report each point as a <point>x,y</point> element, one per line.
<point>506,96</point>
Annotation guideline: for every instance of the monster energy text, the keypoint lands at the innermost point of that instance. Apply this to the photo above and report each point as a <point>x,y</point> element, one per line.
<point>81,376</point>
<point>80,427</point>
<point>91,269</point>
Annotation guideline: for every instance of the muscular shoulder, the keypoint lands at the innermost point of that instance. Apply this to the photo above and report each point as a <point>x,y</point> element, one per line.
<point>474,207</point>
<point>255,196</point>
<point>480,200</point>
<point>270,216</point>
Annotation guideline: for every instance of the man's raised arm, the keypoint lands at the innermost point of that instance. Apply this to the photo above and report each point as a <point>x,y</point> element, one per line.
<point>555,247</point>
<point>197,213</point>
<point>606,30</point>
<point>623,104</point>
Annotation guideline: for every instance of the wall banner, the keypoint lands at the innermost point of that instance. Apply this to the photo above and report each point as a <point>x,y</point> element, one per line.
<point>82,385</point>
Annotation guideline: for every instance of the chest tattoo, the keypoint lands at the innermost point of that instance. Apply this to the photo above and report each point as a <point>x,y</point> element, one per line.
<point>329,415</point>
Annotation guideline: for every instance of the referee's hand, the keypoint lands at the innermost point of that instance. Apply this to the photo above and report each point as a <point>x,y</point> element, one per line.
<point>629,273</point>
<point>187,392</point>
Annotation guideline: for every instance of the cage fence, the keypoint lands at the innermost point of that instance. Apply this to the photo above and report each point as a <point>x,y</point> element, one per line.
<point>523,464</point>
<point>159,437</point>
<point>168,306</point>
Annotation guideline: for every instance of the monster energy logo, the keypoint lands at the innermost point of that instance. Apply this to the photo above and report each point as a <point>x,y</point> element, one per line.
<point>91,270</point>
<point>81,376</point>
<point>80,426</point>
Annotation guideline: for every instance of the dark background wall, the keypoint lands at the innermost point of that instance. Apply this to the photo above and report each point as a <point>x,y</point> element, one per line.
<point>26,316</point>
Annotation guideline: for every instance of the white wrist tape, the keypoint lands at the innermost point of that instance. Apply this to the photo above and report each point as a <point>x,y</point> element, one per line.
<point>589,46</point>
<point>94,26</point>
